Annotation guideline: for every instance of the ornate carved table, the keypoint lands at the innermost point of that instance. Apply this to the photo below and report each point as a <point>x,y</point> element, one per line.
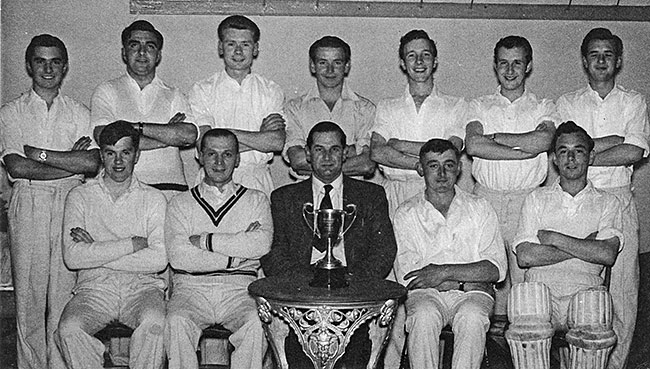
<point>324,320</point>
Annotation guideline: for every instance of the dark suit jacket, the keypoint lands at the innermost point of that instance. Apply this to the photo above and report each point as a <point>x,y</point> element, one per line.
<point>370,245</point>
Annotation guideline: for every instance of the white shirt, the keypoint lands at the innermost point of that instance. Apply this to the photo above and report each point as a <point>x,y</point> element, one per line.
<point>497,114</point>
<point>122,99</point>
<point>622,112</point>
<point>140,211</point>
<point>440,116</point>
<point>551,208</point>
<point>353,113</point>
<point>468,234</point>
<point>27,121</point>
<point>336,195</point>
<point>221,102</point>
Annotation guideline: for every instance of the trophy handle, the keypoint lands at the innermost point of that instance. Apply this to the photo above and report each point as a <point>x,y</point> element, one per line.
<point>308,208</point>
<point>350,211</point>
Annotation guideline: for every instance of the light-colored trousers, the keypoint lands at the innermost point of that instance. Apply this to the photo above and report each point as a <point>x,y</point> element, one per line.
<point>507,205</point>
<point>198,302</point>
<point>624,283</point>
<point>428,311</point>
<point>139,306</point>
<point>42,283</point>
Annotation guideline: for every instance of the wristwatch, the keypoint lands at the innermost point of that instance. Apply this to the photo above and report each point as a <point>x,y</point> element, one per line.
<point>42,156</point>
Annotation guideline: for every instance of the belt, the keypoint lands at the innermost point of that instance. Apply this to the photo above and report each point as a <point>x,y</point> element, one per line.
<point>170,187</point>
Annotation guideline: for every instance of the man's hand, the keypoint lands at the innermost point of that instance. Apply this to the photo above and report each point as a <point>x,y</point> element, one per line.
<point>139,243</point>
<point>195,240</point>
<point>431,276</point>
<point>547,237</point>
<point>253,226</point>
<point>82,144</point>
<point>177,118</point>
<point>272,122</point>
<point>79,234</point>
<point>31,152</point>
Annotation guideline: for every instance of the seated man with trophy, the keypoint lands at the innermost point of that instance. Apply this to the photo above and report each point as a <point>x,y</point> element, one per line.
<point>450,252</point>
<point>568,233</point>
<point>308,239</point>
<point>215,235</point>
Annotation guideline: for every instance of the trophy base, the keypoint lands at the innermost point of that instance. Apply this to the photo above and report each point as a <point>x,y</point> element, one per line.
<point>329,278</point>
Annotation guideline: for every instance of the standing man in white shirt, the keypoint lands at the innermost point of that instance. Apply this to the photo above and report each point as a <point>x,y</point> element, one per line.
<point>243,102</point>
<point>508,135</point>
<point>115,241</point>
<point>216,234</point>
<point>404,123</point>
<point>617,119</point>
<point>46,150</point>
<point>333,100</point>
<point>156,110</point>
<point>449,252</point>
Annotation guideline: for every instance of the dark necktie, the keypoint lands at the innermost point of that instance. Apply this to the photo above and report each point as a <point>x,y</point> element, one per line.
<point>325,203</point>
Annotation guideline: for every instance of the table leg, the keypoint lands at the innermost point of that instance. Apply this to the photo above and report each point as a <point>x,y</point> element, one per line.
<point>379,330</point>
<point>276,331</point>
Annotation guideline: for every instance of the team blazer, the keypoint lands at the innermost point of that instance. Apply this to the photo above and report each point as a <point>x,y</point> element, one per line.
<point>370,245</point>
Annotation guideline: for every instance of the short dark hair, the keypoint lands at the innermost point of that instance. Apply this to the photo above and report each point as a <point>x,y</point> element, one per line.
<point>569,127</point>
<point>511,42</point>
<point>219,132</point>
<point>46,40</point>
<point>238,22</point>
<point>602,34</point>
<point>142,25</point>
<point>416,34</point>
<point>326,126</point>
<point>116,131</point>
<point>438,146</point>
<point>333,42</point>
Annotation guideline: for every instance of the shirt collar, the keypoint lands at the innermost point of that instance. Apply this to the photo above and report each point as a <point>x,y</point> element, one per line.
<point>228,189</point>
<point>434,93</point>
<point>346,93</point>
<point>36,98</point>
<point>520,98</point>
<point>223,77</point>
<point>317,185</point>
<point>588,189</point>
<point>155,82</point>
<point>593,93</point>
<point>135,183</point>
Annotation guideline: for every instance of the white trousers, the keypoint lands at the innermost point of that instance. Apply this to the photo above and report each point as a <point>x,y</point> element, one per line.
<point>428,311</point>
<point>507,205</point>
<point>42,283</point>
<point>624,284</point>
<point>141,307</point>
<point>195,306</point>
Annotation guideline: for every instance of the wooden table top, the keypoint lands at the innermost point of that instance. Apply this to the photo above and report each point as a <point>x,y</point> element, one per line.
<point>298,290</point>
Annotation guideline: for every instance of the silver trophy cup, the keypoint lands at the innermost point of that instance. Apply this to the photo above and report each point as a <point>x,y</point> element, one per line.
<point>329,228</point>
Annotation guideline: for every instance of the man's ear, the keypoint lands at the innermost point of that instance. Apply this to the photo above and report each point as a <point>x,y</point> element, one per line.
<point>346,151</point>
<point>553,158</point>
<point>307,154</point>
<point>220,48</point>
<point>237,159</point>
<point>312,66</point>
<point>28,68</point>
<point>402,65</point>
<point>256,49</point>
<point>200,157</point>
<point>619,62</point>
<point>348,65</point>
<point>137,156</point>
<point>592,157</point>
<point>124,59</point>
<point>529,67</point>
<point>419,169</point>
<point>159,58</point>
<point>435,63</point>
